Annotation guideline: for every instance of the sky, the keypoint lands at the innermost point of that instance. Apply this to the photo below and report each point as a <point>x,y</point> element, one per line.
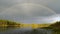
<point>30,11</point>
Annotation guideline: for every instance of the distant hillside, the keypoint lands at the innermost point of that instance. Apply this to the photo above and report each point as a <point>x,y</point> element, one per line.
<point>56,24</point>
<point>7,23</point>
<point>55,27</point>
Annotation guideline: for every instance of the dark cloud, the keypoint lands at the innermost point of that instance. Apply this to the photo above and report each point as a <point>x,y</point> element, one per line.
<point>13,10</point>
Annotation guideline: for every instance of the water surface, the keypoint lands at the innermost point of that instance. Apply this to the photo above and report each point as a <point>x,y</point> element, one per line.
<point>24,31</point>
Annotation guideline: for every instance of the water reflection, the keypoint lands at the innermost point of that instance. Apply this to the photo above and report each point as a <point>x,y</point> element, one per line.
<point>17,30</point>
<point>5,28</point>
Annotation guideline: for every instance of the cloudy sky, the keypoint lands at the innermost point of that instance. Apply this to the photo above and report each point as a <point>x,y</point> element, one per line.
<point>30,11</point>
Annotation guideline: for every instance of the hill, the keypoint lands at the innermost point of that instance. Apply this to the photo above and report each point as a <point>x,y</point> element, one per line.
<point>55,27</point>
<point>7,23</point>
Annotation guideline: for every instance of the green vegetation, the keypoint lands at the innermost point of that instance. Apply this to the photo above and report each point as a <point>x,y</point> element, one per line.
<point>5,25</point>
<point>8,23</point>
<point>55,27</point>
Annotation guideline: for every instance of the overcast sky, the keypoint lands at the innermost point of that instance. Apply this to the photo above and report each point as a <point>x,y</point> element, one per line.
<point>29,11</point>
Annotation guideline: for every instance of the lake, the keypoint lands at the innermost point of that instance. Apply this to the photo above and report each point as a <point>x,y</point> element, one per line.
<point>24,31</point>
